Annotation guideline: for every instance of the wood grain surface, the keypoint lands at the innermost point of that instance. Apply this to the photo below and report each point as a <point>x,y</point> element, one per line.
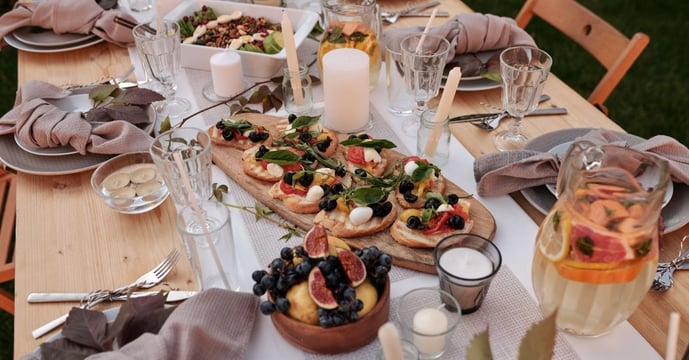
<point>229,160</point>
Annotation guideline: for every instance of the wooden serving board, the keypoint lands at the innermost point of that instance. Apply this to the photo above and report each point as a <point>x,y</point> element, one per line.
<point>229,160</point>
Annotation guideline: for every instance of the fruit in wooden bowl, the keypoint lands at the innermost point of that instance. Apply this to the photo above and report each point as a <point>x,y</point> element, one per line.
<point>323,292</point>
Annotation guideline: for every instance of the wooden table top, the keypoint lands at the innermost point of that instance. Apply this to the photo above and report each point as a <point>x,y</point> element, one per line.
<point>66,236</point>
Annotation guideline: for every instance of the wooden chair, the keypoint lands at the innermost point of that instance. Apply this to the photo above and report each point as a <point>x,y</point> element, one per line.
<point>605,43</point>
<point>8,198</point>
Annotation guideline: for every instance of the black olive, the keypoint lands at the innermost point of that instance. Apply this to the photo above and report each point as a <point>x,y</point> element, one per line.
<point>323,146</point>
<point>431,203</point>
<point>306,179</point>
<point>291,118</point>
<point>456,222</point>
<point>352,136</point>
<point>376,209</point>
<point>337,188</point>
<point>327,204</point>
<point>406,186</point>
<point>264,136</point>
<point>308,157</point>
<point>410,198</point>
<point>305,136</point>
<point>220,125</point>
<point>360,172</point>
<point>228,134</point>
<point>340,171</point>
<point>452,199</point>
<point>287,178</point>
<point>364,136</point>
<point>387,208</point>
<point>414,222</point>
<point>255,136</point>
<point>261,151</point>
<point>326,188</point>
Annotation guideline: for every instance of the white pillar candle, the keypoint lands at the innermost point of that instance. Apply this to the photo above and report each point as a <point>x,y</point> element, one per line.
<point>430,325</point>
<point>227,73</point>
<point>466,263</point>
<point>346,89</point>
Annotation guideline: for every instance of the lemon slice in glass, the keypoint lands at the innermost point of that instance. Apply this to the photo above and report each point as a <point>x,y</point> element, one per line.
<point>554,241</point>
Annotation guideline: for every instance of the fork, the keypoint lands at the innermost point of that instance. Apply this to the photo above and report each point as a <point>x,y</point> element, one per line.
<point>145,281</point>
<point>491,123</point>
<point>391,16</point>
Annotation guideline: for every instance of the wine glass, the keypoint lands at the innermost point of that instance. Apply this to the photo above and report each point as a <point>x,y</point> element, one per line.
<point>423,72</point>
<point>161,56</point>
<point>524,71</point>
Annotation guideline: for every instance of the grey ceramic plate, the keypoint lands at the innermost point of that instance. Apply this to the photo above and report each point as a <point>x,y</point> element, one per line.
<point>675,213</point>
<point>47,38</point>
<point>15,43</point>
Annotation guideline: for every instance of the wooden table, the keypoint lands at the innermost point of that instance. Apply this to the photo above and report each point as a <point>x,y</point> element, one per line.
<point>68,240</point>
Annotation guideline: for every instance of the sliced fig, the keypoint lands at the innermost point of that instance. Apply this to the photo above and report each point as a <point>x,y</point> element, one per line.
<point>316,242</point>
<point>354,267</point>
<point>320,294</point>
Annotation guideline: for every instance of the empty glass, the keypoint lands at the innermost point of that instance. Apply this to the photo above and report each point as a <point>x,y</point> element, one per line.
<point>424,58</point>
<point>524,71</point>
<point>160,55</point>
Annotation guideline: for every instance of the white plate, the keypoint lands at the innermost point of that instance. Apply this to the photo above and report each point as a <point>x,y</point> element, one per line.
<point>675,214</point>
<point>17,44</point>
<point>562,148</point>
<point>48,38</point>
<point>74,103</point>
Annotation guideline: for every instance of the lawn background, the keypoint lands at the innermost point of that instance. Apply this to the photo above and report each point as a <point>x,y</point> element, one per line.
<point>647,102</point>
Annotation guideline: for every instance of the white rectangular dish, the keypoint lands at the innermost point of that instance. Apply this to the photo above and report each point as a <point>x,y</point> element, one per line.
<point>253,64</point>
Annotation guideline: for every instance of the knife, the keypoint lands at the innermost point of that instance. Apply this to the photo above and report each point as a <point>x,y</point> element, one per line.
<point>425,13</point>
<point>483,116</point>
<point>172,296</point>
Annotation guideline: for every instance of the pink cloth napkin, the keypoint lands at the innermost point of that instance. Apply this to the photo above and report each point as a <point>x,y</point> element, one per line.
<point>505,172</point>
<point>41,124</point>
<point>470,33</point>
<point>72,16</point>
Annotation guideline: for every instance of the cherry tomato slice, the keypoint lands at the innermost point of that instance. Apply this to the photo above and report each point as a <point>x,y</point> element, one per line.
<point>288,189</point>
<point>355,155</point>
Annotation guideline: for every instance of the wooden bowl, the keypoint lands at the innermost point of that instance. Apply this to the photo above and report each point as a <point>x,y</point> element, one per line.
<point>338,339</point>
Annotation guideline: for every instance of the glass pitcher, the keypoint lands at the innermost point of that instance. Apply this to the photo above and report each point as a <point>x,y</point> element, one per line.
<point>597,249</point>
<point>352,24</point>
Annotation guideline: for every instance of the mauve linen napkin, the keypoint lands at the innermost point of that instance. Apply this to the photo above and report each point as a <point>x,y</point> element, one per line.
<point>214,324</point>
<point>505,172</point>
<point>41,124</point>
<point>73,16</point>
<point>470,33</point>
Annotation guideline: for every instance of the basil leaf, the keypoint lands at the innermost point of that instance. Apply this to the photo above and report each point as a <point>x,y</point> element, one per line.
<point>585,245</point>
<point>280,157</point>
<point>304,121</point>
<point>367,195</point>
<point>435,195</point>
<point>643,248</point>
<point>370,143</point>
<point>421,173</point>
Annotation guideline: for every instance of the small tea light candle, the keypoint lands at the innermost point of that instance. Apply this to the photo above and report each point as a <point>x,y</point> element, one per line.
<point>430,322</point>
<point>466,263</point>
<point>227,73</point>
<point>346,89</point>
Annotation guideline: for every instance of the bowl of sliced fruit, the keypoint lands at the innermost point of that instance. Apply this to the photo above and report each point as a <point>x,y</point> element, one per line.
<point>254,31</point>
<point>324,297</point>
<point>130,183</point>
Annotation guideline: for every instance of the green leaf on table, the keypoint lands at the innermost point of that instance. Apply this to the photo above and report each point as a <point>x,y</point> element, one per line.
<point>165,125</point>
<point>261,211</point>
<point>99,93</point>
<point>479,347</point>
<point>539,341</point>
<point>137,96</point>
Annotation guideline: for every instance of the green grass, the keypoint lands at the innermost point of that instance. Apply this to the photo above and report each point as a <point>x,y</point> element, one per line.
<point>648,101</point>
<point>650,98</point>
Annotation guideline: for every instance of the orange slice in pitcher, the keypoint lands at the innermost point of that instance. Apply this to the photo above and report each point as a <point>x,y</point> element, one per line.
<point>599,273</point>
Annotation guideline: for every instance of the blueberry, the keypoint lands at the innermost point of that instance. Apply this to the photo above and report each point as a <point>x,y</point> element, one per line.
<point>259,289</point>
<point>385,259</point>
<point>277,265</point>
<point>282,305</point>
<point>267,307</point>
<point>268,282</point>
<point>286,253</point>
<point>258,275</point>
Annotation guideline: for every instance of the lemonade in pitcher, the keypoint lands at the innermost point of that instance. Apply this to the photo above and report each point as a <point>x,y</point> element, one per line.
<point>597,249</point>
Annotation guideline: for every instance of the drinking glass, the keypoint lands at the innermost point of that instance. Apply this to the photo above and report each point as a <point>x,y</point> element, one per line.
<point>161,56</point>
<point>423,72</point>
<point>524,71</point>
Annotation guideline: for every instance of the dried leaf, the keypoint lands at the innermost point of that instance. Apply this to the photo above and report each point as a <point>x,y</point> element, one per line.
<point>539,341</point>
<point>86,327</point>
<point>479,347</point>
<point>131,113</point>
<point>165,125</point>
<point>98,114</point>
<point>141,323</point>
<point>100,93</point>
<point>138,96</point>
<point>131,308</point>
<point>65,349</point>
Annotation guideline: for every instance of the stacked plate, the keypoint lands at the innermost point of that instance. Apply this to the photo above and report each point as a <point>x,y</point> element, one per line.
<point>472,81</point>
<point>35,39</point>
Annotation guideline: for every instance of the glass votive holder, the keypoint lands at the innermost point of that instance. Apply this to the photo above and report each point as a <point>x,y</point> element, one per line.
<point>409,352</point>
<point>301,102</point>
<point>466,265</point>
<point>433,140</point>
<point>428,317</point>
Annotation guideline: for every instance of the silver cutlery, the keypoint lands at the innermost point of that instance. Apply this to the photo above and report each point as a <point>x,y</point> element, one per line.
<point>171,297</point>
<point>145,281</point>
<point>475,118</point>
<point>391,16</point>
<point>664,277</point>
<point>493,123</point>
<point>425,14</point>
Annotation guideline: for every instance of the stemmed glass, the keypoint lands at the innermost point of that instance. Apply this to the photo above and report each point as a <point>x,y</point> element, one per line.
<point>423,72</point>
<point>161,57</point>
<point>524,71</point>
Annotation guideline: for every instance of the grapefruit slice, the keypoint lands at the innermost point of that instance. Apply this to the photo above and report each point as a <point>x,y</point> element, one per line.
<point>589,245</point>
